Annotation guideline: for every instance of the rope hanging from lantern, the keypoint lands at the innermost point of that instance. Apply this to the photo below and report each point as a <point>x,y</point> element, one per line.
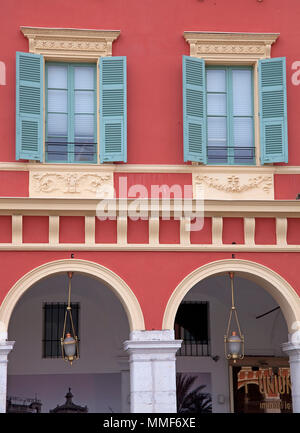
<point>69,341</point>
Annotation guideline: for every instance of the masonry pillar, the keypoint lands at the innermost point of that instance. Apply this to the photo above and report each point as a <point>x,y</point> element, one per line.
<point>5,348</point>
<point>152,359</point>
<point>292,348</point>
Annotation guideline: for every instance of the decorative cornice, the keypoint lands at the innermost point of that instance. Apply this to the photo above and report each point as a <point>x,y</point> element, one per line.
<point>148,168</point>
<point>218,46</point>
<point>70,43</point>
<point>88,206</point>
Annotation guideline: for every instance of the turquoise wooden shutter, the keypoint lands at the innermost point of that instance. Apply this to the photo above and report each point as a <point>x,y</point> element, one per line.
<point>113,109</point>
<point>273,110</point>
<point>194,109</point>
<point>29,106</point>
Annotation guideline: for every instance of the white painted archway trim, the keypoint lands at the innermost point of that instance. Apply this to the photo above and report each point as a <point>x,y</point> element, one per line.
<point>110,278</point>
<point>273,283</point>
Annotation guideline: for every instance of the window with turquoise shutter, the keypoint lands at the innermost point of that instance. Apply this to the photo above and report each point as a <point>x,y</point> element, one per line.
<point>218,113</point>
<point>273,110</point>
<point>230,127</point>
<point>71,116</point>
<point>194,109</point>
<point>113,109</point>
<point>29,106</point>
<point>72,119</point>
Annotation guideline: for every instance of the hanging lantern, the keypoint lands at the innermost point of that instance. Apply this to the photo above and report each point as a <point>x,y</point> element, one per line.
<point>69,340</point>
<point>234,343</point>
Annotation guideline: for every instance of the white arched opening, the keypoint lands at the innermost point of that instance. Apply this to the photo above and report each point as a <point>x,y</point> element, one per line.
<point>273,283</point>
<point>108,277</point>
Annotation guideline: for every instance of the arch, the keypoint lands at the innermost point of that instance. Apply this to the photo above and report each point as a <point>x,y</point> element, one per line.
<point>273,283</point>
<point>110,278</point>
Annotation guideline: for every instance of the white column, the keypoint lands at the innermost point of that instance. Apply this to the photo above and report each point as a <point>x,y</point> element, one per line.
<point>5,348</point>
<point>292,348</point>
<point>152,371</point>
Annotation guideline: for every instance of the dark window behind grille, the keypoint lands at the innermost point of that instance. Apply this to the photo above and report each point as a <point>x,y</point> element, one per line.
<point>191,326</point>
<point>54,316</point>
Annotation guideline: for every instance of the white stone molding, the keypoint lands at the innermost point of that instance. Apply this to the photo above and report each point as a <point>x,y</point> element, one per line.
<point>233,47</point>
<point>152,358</point>
<point>53,229</point>
<point>17,229</point>
<point>150,210</point>
<point>236,186</point>
<point>5,349</point>
<point>293,350</point>
<point>249,231</point>
<point>122,229</point>
<point>111,279</point>
<point>217,230</point>
<point>283,293</point>
<point>281,231</point>
<point>185,233</point>
<point>70,184</point>
<point>153,230</point>
<point>90,224</point>
<point>149,168</point>
<point>70,44</point>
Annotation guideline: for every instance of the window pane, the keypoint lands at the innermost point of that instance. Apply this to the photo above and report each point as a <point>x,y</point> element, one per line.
<point>243,140</point>
<point>217,131</point>
<point>217,140</point>
<point>242,92</point>
<point>216,80</point>
<point>243,132</point>
<point>84,125</point>
<point>84,77</point>
<point>85,152</point>
<point>216,104</point>
<point>57,77</point>
<point>57,101</point>
<point>57,149</point>
<point>57,124</point>
<point>84,102</point>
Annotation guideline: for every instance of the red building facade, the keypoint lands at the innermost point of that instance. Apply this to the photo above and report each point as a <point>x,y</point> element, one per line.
<point>50,208</point>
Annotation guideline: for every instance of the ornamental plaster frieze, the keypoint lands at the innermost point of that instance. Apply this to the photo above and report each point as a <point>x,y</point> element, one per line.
<point>218,46</point>
<point>70,43</point>
<point>235,185</point>
<point>70,184</point>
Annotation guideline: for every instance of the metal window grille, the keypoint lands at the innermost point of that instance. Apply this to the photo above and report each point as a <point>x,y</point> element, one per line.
<point>54,314</point>
<point>192,326</point>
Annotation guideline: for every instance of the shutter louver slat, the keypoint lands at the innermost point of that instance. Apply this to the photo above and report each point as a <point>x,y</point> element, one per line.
<point>113,122</point>
<point>273,110</point>
<point>29,106</point>
<point>194,109</point>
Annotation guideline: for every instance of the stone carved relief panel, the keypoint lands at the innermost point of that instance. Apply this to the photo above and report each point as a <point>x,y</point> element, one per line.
<point>73,184</point>
<point>234,185</point>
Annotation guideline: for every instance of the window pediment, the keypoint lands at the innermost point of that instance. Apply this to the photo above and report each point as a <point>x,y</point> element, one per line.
<point>70,44</point>
<point>230,47</point>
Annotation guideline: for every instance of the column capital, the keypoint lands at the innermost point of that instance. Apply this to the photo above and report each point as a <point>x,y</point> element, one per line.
<point>5,349</point>
<point>292,348</point>
<point>146,342</point>
<point>152,370</point>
